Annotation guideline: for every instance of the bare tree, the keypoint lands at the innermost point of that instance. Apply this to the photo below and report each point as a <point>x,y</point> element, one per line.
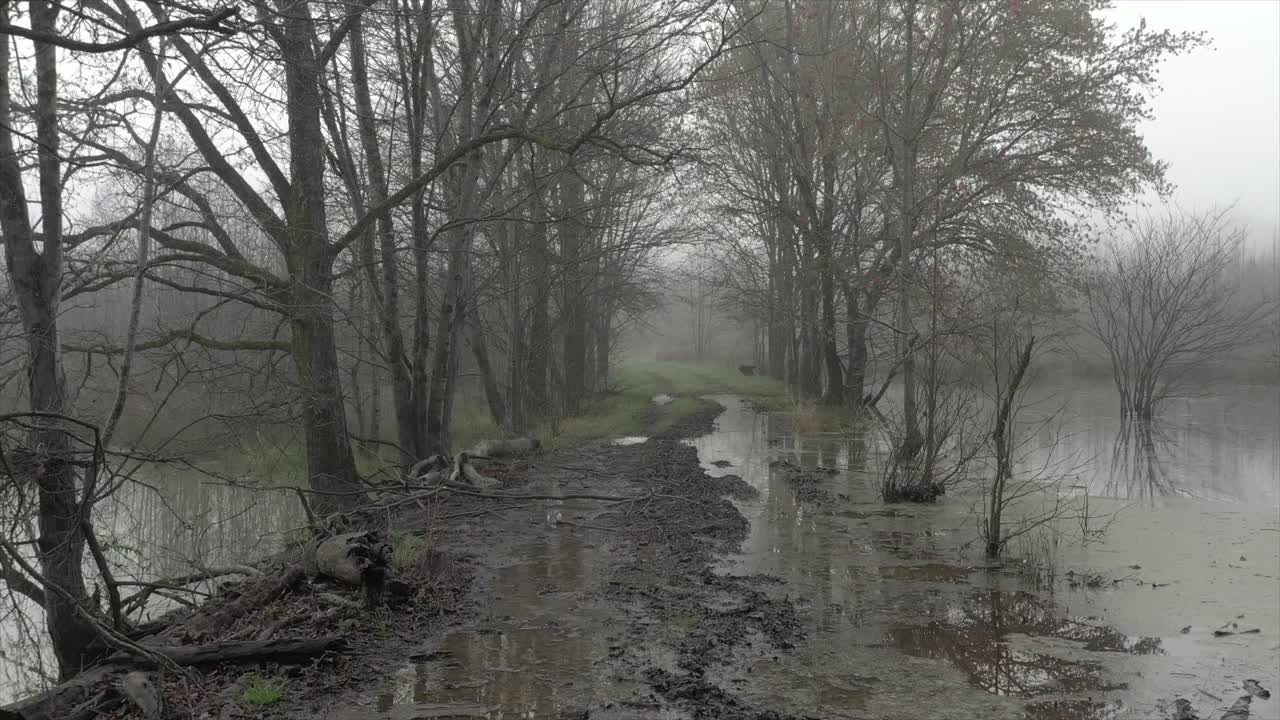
<point>1161,301</point>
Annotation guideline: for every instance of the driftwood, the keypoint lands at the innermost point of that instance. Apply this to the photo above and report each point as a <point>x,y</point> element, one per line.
<point>1239,709</point>
<point>1253,688</point>
<point>137,686</point>
<point>435,463</point>
<point>359,559</point>
<point>179,582</point>
<point>92,694</point>
<point>464,473</point>
<point>354,558</point>
<point>1224,633</point>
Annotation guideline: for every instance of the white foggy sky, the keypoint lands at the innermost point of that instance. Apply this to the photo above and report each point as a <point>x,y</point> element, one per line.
<point>1217,120</point>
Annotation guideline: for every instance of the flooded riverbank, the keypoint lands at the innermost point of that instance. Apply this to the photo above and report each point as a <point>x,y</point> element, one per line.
<point>813,602</point>
<point>904,619</point>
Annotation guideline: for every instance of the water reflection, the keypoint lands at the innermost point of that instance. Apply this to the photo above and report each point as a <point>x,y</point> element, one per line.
<point>902,589</point>
<point>1139,468</point>
<point>974,635</point>
<point>534,652</point>
<point>1223,445</point>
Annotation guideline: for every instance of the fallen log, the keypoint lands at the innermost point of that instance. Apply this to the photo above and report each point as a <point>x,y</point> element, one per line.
<point>94,692</point>
<point>1239,709</point>
<point>464,473</point>
<point>74,699</point>
<point>435,463</point>
<point>235,651</point>
<point>359,559</point>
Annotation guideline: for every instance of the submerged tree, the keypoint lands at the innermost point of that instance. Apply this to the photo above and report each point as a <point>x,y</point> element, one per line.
<point>1161,300</point>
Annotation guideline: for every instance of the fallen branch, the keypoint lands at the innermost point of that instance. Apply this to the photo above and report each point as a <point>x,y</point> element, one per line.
<point>1224,633</point>
<point>82,697</point>
<point>108,635</point>
<point>180,582</point>
<point>209,619</point>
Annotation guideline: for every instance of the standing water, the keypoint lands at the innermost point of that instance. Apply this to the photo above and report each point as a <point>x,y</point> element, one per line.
<point>906,619</point>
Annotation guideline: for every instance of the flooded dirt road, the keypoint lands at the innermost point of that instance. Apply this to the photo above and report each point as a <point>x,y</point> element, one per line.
<point>694,575</point>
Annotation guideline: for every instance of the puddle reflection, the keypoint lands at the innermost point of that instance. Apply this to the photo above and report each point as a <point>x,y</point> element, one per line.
<point>524,660</point>
<point>974,637</point>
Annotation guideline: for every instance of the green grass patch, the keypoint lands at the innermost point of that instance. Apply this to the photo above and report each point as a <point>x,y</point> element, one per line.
<point>405,547</point>
<point>628,409</point>
<point>677,378</point>
<point>262,691</point>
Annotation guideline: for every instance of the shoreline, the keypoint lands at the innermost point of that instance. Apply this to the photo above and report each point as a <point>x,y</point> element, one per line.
<point>652,590</point>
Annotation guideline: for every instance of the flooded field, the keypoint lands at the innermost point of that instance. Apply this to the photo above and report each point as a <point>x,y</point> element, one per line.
<point>903,618</point>
<point>901,615</point>
<point>906,616</point>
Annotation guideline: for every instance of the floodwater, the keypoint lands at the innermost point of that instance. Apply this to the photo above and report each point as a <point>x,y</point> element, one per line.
<point>907,620</point>
<point>904,618</point>
<point>163,523</point>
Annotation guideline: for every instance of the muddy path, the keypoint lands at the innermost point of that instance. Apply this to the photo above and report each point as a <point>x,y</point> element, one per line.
<point>547,609</point>
<point>581,609</point>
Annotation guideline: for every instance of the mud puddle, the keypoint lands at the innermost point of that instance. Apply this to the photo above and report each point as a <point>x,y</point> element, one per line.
<point>904,618</point>
<point>534,649</point>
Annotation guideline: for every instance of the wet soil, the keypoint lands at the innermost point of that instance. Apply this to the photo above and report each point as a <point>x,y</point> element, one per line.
<point>535,608</point>
<point>768,586</point>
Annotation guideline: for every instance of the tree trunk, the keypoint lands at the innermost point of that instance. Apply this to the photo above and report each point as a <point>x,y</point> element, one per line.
<point>906,160</point>
<point>539,337</point>
<point>492,393</point>
<point>810,367</point>
<point>36,278</point>
<point>444,361</point>
<point>407,396</point>
<point>777,341</point>
<point>834,394</point>
<point>856,325</point>
<point>574,318</point>
<point>330,463</point>
<point>603,332</point>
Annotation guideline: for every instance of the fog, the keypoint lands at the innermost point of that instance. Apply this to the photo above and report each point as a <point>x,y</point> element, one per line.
<point>412,357</point>
<point>1217,115</point>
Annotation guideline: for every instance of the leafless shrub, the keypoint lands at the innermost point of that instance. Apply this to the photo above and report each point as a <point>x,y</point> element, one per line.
<point>1161,301</point>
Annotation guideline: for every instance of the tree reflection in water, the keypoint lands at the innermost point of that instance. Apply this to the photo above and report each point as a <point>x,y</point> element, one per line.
<point>973,637</point>
<point>1138,468</point>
